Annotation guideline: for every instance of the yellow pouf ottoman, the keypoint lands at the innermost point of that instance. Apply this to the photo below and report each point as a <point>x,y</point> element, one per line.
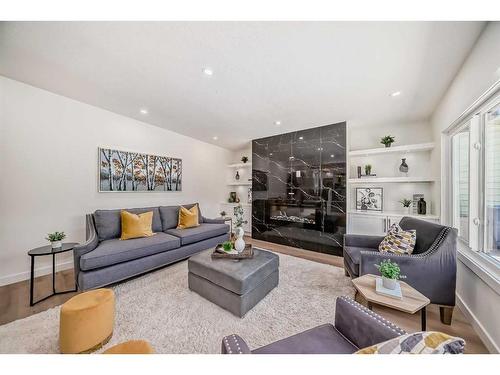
<point>131,347</point>
<point>86,321</point>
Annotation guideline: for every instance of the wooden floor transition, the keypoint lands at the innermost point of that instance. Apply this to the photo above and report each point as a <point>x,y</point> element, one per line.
<point>14,300</point>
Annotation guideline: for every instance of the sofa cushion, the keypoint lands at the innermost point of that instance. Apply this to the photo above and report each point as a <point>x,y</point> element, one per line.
<point>324,339</point>
<point>352,255</point>
<point>108,222</point>
<point>199,233</point>
<point>115,251</point>
<point>170,215</point>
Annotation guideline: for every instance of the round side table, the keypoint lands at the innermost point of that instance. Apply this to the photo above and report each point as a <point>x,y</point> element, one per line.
<point>48,250</point>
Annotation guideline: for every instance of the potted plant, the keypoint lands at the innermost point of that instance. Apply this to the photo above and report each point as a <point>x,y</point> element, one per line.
<point>390,272</point>
<point>368,169</point>
<point>223,214</point>
<point>227,246</point>
<point>239,244</point>
<point>406,204</point>
<point>56,239</point>
<point>244,159</point>
<point>387,140</point>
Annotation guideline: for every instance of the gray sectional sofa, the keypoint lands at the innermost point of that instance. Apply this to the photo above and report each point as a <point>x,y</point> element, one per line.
<point>105,259</point>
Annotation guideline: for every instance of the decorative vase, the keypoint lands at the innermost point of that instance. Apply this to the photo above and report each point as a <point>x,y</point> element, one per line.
<point>239,244</point>
<point>388,145</point>
<point>408,210</point>
<point>421,207</point>
<point>403,168</point>
<point>56,244</point>
<point>359,172</point>
<point>237,175</point>
<point>389,283</point>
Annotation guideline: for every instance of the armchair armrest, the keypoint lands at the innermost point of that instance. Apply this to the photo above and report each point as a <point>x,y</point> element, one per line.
<point>213,221</point>
<point>361,326</point>
<point>359,240</point>
<point>234,344</point>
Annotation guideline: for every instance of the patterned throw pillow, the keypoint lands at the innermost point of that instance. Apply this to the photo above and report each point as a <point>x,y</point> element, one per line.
<point>418,343</point>
<point>398,241</point>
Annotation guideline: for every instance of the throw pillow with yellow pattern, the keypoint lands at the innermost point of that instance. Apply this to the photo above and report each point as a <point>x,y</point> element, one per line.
<point>398,241</point>
<point>418,343</point>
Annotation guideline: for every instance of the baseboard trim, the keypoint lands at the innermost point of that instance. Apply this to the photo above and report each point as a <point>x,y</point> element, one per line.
<point>478,327</point>
<point>40,271</point>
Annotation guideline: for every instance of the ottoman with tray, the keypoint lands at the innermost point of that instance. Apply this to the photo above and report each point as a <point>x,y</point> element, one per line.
<point>235,285</point>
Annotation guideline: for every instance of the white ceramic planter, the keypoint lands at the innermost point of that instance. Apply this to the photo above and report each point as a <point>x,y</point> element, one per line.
<point>56,244</point>
<point>389,283</point>
<point>239,244</point>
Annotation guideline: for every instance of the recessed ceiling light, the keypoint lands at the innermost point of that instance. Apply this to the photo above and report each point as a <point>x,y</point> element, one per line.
<point>144,111</point>
<point>208,71</point>
<point>332,156</point>
<point>270,154</point>
<point>320,148</point>
<point>301,138</point>
<point>215,138</point>
<point>395,93</point>
<point>277,123</point>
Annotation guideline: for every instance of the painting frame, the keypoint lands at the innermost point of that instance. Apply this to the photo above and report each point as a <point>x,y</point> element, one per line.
<point>374,202</point>
<point>129,174</point>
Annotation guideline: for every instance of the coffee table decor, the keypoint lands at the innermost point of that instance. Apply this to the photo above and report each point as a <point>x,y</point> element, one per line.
<point>220,253</point>
<point>235,286</point>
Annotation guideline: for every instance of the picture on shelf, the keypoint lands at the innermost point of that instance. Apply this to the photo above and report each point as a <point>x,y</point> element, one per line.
<point>369,199</point>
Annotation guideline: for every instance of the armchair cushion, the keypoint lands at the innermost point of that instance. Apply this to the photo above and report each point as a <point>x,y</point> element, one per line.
<point>418,343</point>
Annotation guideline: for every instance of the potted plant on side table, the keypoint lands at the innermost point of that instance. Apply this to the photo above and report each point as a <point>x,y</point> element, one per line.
<point>55,239</point>
<point>390,272</point>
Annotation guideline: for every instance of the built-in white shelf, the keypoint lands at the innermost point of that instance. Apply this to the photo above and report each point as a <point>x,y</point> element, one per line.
<point>379,180</point>
<point>240,165</point>
<point>242,183</point>
<point>420,147</point>
<point>235,204</point>
<point>393,213</point>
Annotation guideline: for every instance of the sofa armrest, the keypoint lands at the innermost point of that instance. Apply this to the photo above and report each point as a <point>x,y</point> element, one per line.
<point>359,240</point>
<point>213,221</point>
<point>234,344</point>
<point>361,326</point>
<point>86,247</point>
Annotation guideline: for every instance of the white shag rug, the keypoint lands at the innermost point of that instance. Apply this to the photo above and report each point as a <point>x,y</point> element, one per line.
<point>159,308</point>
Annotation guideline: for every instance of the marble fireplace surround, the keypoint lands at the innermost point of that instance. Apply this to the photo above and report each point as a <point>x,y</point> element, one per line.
<point>299,188</point>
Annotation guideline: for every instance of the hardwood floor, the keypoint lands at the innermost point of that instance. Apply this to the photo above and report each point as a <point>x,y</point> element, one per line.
<point>14,300</point>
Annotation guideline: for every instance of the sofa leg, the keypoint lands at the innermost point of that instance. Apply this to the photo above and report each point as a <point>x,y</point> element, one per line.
<point>345,272</point>
<point>446,314</point>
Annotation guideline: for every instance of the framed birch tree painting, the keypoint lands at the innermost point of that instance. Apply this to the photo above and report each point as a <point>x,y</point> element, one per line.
<point>124,171</point>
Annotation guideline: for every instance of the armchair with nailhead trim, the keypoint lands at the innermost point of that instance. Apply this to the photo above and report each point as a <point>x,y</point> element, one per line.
<point>431,268</point>
<point>355,328</point>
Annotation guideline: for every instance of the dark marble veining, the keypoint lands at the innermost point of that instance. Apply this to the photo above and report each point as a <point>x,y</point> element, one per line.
<point>299,188</point>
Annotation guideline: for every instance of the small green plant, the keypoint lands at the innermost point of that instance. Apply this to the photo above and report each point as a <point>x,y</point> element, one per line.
<point>56,236</point>
<point>387,140</point>
<point>227,246</point>
<point>405,202</point>
<point>223,213</point>
<point>368,169</point>
<point>390,270</point>
<point>244,159</point>
<point>238,214</point>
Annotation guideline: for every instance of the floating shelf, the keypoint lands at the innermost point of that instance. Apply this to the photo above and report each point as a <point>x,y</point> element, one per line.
<point>379,180</point>
<point>235,204</point>
<point>393,213</point>
<point>239,165</point>
<point>248,183</point>
<point>420,147</point>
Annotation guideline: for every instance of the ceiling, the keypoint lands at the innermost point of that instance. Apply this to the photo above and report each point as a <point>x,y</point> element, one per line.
<point>303,74</point>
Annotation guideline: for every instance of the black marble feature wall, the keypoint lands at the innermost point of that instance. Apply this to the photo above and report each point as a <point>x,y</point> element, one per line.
<point>299,188</point>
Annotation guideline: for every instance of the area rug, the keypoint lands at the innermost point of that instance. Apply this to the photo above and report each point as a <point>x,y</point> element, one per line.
<point>159,308</point>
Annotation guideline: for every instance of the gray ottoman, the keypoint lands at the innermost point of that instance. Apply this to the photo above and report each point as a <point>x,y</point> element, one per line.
<point>235,285</point>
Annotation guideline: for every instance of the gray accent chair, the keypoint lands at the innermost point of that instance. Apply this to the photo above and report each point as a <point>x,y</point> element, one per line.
<point>355,328</point>
<point>431,268</point>
<point>105,259</point>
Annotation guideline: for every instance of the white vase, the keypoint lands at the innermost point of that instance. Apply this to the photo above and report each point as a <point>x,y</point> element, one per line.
<point>389,283</point>
<point>56,244</point>
<point>239,244</point>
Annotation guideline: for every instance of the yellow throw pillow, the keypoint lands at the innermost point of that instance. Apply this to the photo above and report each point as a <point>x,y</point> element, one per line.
<point>136,226</point>
<point>188,218</point>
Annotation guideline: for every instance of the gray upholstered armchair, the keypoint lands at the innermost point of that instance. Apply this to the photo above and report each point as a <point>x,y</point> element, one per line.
<point>431,268</point>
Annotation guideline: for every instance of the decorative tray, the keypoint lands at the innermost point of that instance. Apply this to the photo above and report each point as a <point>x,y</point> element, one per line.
<point>220,253</point>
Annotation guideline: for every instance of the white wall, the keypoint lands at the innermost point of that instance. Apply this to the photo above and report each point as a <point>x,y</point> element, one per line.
<point>49,155</point>
<point>479,72</point>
